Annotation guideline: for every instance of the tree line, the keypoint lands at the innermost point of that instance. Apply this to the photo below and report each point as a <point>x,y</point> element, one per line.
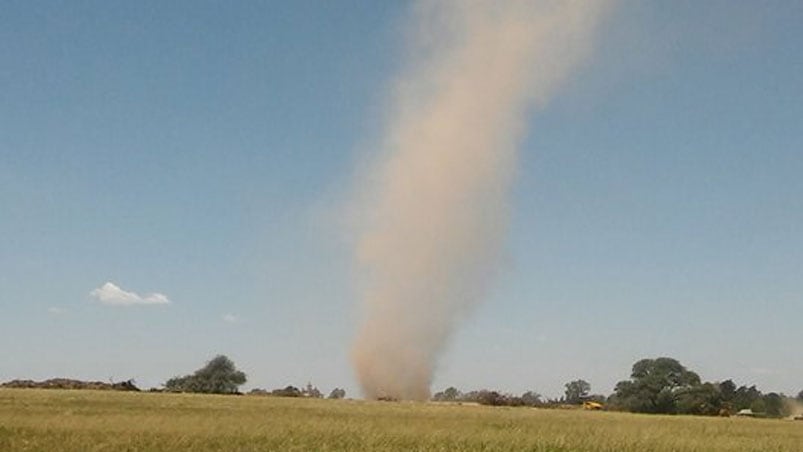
<point>660,385</point>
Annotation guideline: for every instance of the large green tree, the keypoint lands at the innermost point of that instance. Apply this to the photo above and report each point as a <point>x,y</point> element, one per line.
<point>218,376</point>
<point>655,386</point>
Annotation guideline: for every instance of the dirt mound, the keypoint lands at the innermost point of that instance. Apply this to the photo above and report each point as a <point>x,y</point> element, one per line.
<point>67,383</point>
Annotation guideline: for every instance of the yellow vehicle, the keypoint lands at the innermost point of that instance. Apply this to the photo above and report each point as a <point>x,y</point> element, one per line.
<point>592,405</point>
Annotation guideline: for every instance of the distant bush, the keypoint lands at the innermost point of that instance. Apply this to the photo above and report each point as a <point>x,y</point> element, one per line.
<point>311,391</point>
<point>488,397</point>
<point>67,383</point>
<point>337,393</point>
<point>287,391</point>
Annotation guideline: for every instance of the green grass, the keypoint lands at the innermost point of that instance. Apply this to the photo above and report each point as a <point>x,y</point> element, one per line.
<point>54,420</point>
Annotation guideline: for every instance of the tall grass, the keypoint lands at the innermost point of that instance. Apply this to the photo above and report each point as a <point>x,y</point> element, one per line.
<point>54,420</point>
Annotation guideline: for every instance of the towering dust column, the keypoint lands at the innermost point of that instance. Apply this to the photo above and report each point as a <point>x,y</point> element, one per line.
<point>438,197</point>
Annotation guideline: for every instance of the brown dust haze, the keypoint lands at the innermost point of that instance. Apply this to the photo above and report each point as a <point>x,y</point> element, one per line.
<point>438,195</point>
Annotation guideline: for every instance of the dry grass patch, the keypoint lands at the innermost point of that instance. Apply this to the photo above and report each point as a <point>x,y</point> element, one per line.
<point>112,421</point>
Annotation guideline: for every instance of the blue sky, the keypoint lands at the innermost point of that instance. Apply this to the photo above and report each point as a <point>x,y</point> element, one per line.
<point>205,151</point>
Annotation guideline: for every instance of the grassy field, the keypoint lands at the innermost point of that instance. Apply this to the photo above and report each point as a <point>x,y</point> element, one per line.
<point>54,420</point>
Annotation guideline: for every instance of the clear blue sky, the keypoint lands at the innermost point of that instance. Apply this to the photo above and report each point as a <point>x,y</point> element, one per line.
<point>203,150</point>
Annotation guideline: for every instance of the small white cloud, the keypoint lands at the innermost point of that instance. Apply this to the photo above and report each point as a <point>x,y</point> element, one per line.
<point>113,295</point>
<point>230,318</point>
<point>55,311</point>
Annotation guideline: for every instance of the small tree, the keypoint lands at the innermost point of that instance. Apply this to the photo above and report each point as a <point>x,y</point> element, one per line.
<point>531,398</point>
<point>576,391</point>
<point>219,376</point>
<point>337,393</point>
<point>311,391</point>
<point>450,394</point>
